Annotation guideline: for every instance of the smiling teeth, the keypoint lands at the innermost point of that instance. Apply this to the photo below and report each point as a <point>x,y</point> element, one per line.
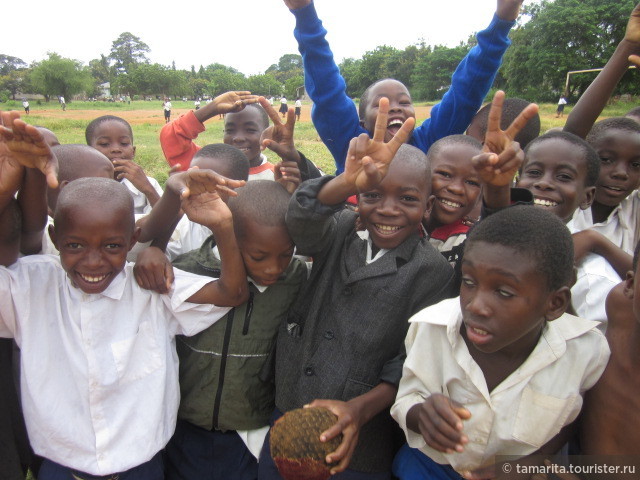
<point>617,189</point>
<point>544,203</point>
<point>479,332</point>
<point>449,203</point>
<point>395,122</point>
<point>386,228</point>
<point>92,279</point>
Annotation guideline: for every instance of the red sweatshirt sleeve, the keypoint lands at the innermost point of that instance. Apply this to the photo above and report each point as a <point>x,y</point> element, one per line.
<point>176,139</point>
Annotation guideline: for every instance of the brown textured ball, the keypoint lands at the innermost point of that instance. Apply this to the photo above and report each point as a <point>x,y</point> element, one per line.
<point>296,447</point>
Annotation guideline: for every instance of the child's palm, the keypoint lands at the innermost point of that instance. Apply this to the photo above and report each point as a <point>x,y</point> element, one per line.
<point>234,101</point>
<point>206,209</point>
<point>11,172</point>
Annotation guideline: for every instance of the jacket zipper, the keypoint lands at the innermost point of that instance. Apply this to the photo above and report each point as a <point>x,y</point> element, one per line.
<point>247,315</point>
<point>223,365</point>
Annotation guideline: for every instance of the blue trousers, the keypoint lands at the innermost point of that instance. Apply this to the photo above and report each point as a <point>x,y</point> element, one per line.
<point>195,453</point>
<point>151,470</point>
<point>412,464</point>
<point>267,469</point>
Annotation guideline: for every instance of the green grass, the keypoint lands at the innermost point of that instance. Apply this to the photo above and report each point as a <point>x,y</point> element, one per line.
<point>149,154</point>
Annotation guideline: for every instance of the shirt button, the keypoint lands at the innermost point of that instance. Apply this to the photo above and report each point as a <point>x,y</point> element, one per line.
<point>329,335</point>
<point>308,371</point>
<point>347,291</point>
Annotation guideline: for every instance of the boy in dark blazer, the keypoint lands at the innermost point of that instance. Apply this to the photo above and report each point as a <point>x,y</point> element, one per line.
<point>371,271</point>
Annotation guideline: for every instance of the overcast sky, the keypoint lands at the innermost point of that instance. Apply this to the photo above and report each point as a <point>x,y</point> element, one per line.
<point>248,35</point>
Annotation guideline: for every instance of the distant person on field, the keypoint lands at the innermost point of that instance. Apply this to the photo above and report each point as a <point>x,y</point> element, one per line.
<point>167,110</point>
<point>561,103</point>
<point>298,108</point>
<point>284,108</point>
<point>25,105</point>
<point>196,104</point>
<point>63,104</point>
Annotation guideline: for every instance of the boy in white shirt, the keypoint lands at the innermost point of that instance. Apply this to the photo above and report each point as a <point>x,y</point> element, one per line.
<point>502,369</point>
<point>99,374</point>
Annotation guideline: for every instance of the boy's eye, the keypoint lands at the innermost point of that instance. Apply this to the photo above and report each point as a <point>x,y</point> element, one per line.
<point>505,293</point>
<point>467,282</point>
<point>73,246</point>
<point>605,160</point>
<point>564,177</point>
<point>252,131</point>
<point>371,196</point>
<point>256,259</point>
<point>473,183</point>
<point>408,198</point>
<point>635,164</point>
<point>532,173</point>
<point>112,246</point>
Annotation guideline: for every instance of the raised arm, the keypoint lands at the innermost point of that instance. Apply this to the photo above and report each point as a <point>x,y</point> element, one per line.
<point>594,99</point>
<point>334,114</point>
<point>471,81</point>
<point>502,156</point>
<point>176,138</point>
<point>208,209</point>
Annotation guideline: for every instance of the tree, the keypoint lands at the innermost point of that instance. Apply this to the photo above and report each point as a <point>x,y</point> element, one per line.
<point>289,65</point>
<point>560,36</point>
<point>60,76</point>
<point>9,64</point>
<point>15,81</point>
<point>292,86</point>
<point>101,69</point>
<point>128,50</point>
<point>264,85</point>
<point>350,71</point>
<point>432,74</point>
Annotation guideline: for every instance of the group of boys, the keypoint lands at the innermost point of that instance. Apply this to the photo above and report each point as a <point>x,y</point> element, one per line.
<point>278,297</point>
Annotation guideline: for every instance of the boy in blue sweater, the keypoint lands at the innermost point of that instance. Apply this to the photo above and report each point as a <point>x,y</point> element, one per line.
<point>334,113</point>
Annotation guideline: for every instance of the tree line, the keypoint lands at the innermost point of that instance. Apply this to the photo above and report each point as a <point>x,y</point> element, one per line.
<point>549,39</point>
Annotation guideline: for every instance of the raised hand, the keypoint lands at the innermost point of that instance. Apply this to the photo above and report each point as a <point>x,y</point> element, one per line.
<point>195,181</point>
<point>632,33</point>
<point>288,175</point>
<point>502,157</point>
<point>635,59</point>
<point>279,137</point>
<point>207,209</point>
<point>508,9</point>
<point>295,4</point>
<point>233,101</point>
<point>26,145</point>
<point>368,159</point>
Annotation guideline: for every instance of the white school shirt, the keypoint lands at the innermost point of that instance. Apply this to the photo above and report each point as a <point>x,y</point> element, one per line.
<point>521,414</point>
<point>621,227</point>
<point>99,376</point>
<point>140,202</point>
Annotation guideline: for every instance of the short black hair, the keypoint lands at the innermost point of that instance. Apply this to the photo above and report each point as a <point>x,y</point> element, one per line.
<point>452,140</point>
<point>93,191</point>
<point>232,160</point>
<point>636,254</point>
<point>72,158</point>
<point>90,131</point>
<point>511,108</point>
<point>416,160</point>
<point>614,123</point>
<point>634,112</point>
<point>364,98</point>
<point>261,201</point>
<point>590,155</point>
<point>532,232</point>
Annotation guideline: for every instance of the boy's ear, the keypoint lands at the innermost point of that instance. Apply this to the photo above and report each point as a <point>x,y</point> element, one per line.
<point>134,237</point>
<point>587,199</point>
<point>134,151</point>
<point>430,202</point>
<point>558,303</point>
<point>628,285</point>
<point>52,236</point>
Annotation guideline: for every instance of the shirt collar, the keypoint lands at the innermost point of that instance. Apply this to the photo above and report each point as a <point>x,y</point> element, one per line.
<point>364,235</point>
<point>261,288</point>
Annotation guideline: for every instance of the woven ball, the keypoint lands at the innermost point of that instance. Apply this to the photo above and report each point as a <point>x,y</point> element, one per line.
<point>296,447</point>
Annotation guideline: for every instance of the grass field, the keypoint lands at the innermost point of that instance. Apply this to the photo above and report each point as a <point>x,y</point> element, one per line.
<point>146,118</point>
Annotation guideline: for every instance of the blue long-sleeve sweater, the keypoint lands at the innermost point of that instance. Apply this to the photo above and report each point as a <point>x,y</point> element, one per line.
<point>335,115</point>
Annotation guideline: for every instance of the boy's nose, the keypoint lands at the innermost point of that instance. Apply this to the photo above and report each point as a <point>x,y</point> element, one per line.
<point>544,184</point>
<point>620,171</point>
<point>456,187</point>
<point>477,306</point>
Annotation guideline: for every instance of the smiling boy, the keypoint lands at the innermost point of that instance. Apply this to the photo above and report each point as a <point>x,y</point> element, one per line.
<point>505,344</point>
<point>343,339</point>
<point>99,377</point>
